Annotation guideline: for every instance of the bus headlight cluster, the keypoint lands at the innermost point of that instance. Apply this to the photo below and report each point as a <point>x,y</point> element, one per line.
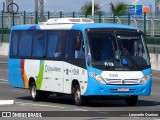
<point>98,77</point>
<point>145,78</point>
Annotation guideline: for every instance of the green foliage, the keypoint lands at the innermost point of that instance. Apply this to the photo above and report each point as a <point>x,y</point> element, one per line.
<point>119,9</point>
<point>87,8</point>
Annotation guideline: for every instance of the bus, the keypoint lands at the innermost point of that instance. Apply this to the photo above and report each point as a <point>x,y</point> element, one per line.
<point>75,56</point>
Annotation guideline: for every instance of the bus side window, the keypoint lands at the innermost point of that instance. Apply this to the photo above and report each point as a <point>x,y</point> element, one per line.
<point>51,44</point>
<point>69,46</point>
<point>25,39</point>
<point>79,46</point>
<point>55,44</point>
<point>39,44</point>
<point>14,44</point>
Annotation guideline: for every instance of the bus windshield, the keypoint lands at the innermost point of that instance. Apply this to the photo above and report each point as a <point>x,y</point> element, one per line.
<point>117,49</point>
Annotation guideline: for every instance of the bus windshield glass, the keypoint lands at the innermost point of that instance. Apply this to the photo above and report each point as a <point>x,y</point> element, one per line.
<point>117,49</point>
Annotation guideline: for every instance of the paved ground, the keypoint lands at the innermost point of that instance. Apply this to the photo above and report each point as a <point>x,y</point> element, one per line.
<point>23,101</point>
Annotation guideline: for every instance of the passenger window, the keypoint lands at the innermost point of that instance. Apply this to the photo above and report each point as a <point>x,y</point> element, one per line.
<point>25,43</point>
<point>39,44</point>
<point>79,46</point>
<point>14,43</point>
<point>55,44</point>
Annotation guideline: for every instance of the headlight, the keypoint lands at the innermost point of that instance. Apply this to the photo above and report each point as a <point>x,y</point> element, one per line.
<point>98,77</point>
<point>145,78</point>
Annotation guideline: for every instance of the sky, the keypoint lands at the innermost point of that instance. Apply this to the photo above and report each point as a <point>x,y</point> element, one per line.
<point>74,5</point>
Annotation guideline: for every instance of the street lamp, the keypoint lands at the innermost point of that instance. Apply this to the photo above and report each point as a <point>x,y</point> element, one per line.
<point>92,8</point>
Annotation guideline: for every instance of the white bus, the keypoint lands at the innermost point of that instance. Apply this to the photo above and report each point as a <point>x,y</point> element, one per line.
<point>77,57</point>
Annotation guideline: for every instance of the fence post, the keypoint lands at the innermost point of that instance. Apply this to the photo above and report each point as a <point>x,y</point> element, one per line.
<point>114,18</point>
<point>73,14</point>
<point>86,15</point>
<point>2,27</point>
<point>99,17</point>
<point>48,15</point>
<point>129,18</point>
<point>36,17</point>
<point>24,18</point>
<point>13,17</point>
<point>144,23</point>
<point>60,14</point>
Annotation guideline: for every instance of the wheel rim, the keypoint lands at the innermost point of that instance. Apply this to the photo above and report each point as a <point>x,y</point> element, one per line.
<point>77,96</point>
<point>33,92</point>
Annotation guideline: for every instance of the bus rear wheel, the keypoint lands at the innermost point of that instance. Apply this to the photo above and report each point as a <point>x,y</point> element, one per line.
<point>132,100</point>
<point>79,100</point>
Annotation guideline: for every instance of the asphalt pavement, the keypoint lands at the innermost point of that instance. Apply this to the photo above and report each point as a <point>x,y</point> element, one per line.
<point>99,109</point>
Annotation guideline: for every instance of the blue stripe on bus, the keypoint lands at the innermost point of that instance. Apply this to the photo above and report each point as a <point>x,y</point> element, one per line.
<point>26,27</point>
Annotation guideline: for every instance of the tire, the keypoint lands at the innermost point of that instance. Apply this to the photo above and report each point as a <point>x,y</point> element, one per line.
<point>132,101</point>
<point>35,94</point>
<point>79,100</point>
<point>44,95</point>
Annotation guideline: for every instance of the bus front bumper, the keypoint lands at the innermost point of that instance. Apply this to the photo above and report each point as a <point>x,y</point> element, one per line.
<point>98,89</point>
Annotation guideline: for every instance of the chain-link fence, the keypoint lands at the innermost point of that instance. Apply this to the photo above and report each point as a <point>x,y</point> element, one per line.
<point>150,25</point>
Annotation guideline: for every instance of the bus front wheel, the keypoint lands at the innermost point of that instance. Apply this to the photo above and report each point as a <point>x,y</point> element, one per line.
<point>132,100</point>
<point>78,98</point>
<point>35,94</point>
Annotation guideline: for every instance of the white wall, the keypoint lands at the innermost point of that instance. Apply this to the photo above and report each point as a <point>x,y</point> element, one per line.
<point>4,49</point>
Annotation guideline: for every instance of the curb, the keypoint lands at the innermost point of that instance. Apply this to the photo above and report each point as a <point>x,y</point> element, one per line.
<point>7,102</point>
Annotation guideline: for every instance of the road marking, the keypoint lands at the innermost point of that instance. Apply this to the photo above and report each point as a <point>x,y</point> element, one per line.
<point>156,77</point>
<point>22,103</point>
<point>3,80</point>
<point>3,70</point>
<point>18,91</point>
<point>3,62</point>
<point>102,112</point>
<point>80,109</point>
<point>6,102</point>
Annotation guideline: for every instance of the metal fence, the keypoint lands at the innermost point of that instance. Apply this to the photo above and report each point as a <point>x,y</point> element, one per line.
<point>150,25</point>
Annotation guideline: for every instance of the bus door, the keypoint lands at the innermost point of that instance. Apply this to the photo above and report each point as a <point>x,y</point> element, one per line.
<point>74,59</point>
<point>69,53</point>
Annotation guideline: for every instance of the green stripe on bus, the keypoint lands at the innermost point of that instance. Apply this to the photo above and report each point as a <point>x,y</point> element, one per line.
<point>40,76</point>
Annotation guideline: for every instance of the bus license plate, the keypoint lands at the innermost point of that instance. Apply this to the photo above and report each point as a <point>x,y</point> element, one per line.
<point>123,89</point>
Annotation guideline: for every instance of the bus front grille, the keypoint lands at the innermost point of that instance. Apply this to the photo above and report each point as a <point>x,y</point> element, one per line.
<point>123,81</point>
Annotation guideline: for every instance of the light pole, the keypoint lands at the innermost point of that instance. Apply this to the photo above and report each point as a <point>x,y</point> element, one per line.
<point>92,8</point>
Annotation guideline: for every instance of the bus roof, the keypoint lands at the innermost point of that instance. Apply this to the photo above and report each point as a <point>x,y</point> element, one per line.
<point>102,25</point>
<point>71,26</point>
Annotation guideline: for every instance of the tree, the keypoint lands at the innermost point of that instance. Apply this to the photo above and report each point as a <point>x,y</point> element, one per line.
<point>87,8</point>
<point>119,9</point>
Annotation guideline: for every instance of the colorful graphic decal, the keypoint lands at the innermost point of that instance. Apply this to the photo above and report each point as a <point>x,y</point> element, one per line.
<point>23,74</point>
<point>40,75</point>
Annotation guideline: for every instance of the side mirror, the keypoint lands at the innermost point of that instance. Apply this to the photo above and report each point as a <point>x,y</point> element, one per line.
<point>77,43</point>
